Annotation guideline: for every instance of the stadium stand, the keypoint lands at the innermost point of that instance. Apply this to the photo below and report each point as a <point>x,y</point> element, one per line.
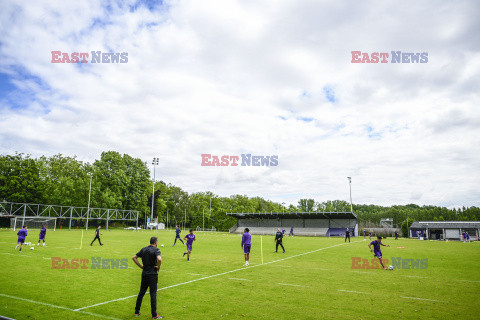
<point>304,223</point>
<point>444,230</point>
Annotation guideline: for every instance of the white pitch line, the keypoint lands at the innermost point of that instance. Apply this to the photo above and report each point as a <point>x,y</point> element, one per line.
<point>291,285</point>
<point>46,258</point>
<point>469,280</point>
<point>363,272</point>
<point>354,291</point>
<point>240,279</point>
<point>283,266</point>
<point>216,275</point>
<point>420,299</point>
<point>8,253</point>
<point>195,274</point>
<point>58,307</point>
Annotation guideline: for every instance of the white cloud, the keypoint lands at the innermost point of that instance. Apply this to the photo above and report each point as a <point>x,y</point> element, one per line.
<point>215,77</point>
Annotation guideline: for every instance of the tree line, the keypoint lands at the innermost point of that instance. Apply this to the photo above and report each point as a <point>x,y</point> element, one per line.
<point>123,182</point>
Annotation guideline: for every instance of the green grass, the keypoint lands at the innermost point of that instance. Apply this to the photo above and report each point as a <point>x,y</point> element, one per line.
<point>310,290</point>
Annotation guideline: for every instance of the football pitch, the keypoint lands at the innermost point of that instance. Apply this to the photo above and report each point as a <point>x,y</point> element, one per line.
<point>314,279</point>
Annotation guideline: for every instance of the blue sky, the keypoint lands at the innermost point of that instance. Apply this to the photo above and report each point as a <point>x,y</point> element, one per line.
<point>232,77</point>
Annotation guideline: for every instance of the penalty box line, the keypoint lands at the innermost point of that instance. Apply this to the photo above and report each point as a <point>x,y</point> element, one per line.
<point>57,307</point>
<point>217,275</point>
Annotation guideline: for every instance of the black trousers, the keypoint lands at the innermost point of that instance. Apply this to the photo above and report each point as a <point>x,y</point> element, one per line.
<point>96,237</point>
<point>279,243</point>
<point>178,239</point>
<point>346,238</point>
<point>149,281</point>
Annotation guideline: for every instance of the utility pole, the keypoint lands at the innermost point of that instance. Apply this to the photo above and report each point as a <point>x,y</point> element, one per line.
<point>88,206</point>
<point>155,163</point>
<point>350,183</point>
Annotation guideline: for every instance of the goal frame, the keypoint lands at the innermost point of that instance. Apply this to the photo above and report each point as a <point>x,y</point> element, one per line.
<point>23,218</point>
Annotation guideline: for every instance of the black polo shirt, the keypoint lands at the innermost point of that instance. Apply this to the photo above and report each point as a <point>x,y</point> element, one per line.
<point>149,258</point>
<point>278,236</point>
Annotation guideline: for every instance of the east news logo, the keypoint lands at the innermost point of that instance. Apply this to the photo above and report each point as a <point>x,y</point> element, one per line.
<point>392,57</point>
<point>209,160</point>
<point>97,57</point>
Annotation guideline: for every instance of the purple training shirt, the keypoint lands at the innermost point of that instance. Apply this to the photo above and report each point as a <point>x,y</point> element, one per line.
<point>190,238</point>
<point>22,233</point>
<point>247,239</point>
<point>376,246</point>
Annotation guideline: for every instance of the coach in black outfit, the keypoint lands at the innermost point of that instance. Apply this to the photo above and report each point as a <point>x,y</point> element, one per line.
<point>152,260</point>
<point>278,239</point>
<point>97,236</point>
<point>347,235</point>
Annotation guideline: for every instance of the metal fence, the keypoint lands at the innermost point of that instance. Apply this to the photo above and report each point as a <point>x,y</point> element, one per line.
<point>69,213</point>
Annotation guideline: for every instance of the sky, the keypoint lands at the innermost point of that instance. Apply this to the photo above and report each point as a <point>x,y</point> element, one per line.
<point>256,77</point>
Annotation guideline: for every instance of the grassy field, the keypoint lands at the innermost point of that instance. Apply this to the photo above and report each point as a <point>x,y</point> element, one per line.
<point>314,279</point>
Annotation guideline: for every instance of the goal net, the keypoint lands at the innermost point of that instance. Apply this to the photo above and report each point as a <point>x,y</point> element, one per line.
<point>33,222</point>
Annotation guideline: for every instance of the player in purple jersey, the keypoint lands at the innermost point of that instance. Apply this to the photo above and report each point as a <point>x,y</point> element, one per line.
<point>246,245</point>
<point>22,234</point>
<point>291,232</point>
<point>43,232</point>
<point>377,252</point>
<point>190,238</point>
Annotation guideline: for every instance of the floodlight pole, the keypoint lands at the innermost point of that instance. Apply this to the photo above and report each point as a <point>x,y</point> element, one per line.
<point>88,206</point>
<point>154,162</point>
<point>283,207</point>
<point>350,183</point>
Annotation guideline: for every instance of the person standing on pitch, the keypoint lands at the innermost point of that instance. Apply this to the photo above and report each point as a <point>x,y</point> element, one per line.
<point>177,236</point>
<point>190,238</point>
<point>43,232</point>
<point>291,232</point>
<point>22,234</point>
<point>97,236</point>
<point>278,239</point>
<point>347,235</point>
<point>396,235</point>
<point>152,260</point>
<point>246,245</point>
<point>377,252</point>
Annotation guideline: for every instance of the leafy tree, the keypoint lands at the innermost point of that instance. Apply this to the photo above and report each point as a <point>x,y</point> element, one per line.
<point>20,179</point>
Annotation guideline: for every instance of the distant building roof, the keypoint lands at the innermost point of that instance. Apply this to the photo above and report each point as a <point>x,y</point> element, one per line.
<point>293,215</point>
<point>445,224</point>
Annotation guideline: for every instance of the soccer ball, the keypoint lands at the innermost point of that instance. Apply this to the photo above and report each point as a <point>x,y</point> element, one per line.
<point>390,267</point>
<point>161,245</point>
<point>32,248</point>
